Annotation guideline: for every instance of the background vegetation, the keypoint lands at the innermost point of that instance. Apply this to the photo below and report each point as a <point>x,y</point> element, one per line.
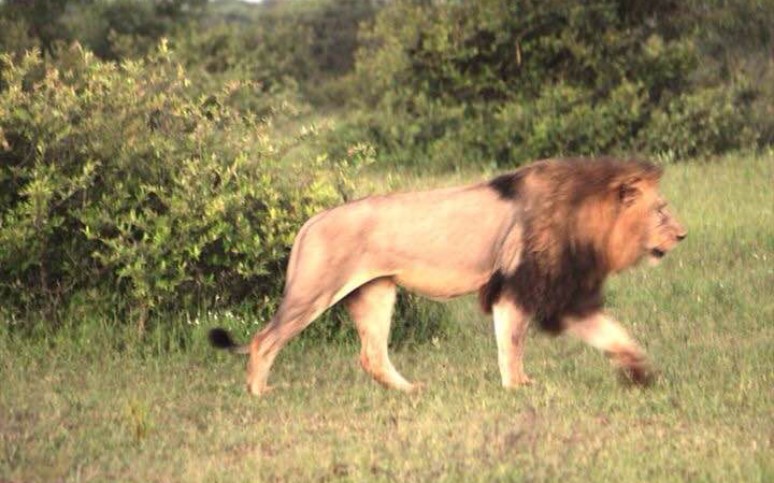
<point>158,156</point>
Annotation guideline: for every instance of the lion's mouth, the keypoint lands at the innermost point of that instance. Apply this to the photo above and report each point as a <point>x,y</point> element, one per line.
<point>657,253</point>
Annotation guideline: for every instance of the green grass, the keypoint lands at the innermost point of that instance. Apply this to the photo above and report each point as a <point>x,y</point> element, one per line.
<point>91,403</point>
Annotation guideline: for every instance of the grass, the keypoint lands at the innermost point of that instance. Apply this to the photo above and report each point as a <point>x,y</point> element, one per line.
<point>91,404</point>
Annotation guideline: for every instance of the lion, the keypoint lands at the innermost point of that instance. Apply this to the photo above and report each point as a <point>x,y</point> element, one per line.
<point>536,243</point>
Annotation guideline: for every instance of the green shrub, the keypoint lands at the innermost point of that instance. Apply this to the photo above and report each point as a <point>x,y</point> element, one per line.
<point>119,187</point>
<point>561,121</point>
<point>705,121</point>
<point>124,196</point>
<point>288,49</point>
<point>495,81</point>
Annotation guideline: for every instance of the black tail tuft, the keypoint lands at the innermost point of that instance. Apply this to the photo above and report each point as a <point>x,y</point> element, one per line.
<point>221,339</point>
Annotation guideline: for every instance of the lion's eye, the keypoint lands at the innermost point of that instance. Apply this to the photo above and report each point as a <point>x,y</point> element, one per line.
<point>661,213</point>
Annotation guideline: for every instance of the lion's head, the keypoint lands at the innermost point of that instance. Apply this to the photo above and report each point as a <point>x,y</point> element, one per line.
<point>584,219</point>
<point>664,234</point>
<point>643,226</point>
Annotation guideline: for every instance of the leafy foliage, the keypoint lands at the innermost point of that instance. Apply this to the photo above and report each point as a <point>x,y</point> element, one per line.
<point>507,81</point>
<point>288,48</point>
<point>111,28</point>
<point>135,183</point>
<point>117,184</point>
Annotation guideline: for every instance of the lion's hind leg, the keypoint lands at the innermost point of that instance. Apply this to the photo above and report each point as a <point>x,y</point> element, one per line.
<point>371,307</point>
<point>291,318</point>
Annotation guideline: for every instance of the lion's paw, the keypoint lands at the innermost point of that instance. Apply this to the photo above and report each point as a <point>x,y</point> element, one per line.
<point>638,373</point>
<point>259,391</point>
<point>518,382</point>
<point>416,387</point>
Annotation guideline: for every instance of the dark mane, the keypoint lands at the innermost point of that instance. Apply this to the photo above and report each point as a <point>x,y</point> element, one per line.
<point>570,207</point>
<point>507,185</point>
<point>572,287</point>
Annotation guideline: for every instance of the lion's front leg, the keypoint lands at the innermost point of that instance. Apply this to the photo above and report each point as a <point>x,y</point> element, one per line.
<point>511,324</point>
<point>601,331</point>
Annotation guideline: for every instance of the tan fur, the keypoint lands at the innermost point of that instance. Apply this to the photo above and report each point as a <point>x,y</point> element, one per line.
<point>510,324</point>
<point>560,225</point>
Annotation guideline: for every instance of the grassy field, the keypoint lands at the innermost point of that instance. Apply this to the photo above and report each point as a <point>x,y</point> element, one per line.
<point>88,404</point>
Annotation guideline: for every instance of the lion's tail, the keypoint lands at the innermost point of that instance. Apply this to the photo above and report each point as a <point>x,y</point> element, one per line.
<point>221,339</point>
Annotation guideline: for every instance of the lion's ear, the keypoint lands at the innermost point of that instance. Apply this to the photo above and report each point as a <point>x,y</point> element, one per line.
<point>629,191</point>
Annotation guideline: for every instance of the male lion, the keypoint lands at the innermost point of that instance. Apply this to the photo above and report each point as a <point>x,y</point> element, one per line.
<point>537,242</point>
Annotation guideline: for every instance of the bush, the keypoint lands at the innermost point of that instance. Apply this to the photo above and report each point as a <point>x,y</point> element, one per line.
<point>706,121</point>
<point>119,188</point>
<point>450,83</point>
<point>561,122</point>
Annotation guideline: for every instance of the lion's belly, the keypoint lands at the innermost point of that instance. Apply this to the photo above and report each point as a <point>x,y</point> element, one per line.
<point>440,282</point>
